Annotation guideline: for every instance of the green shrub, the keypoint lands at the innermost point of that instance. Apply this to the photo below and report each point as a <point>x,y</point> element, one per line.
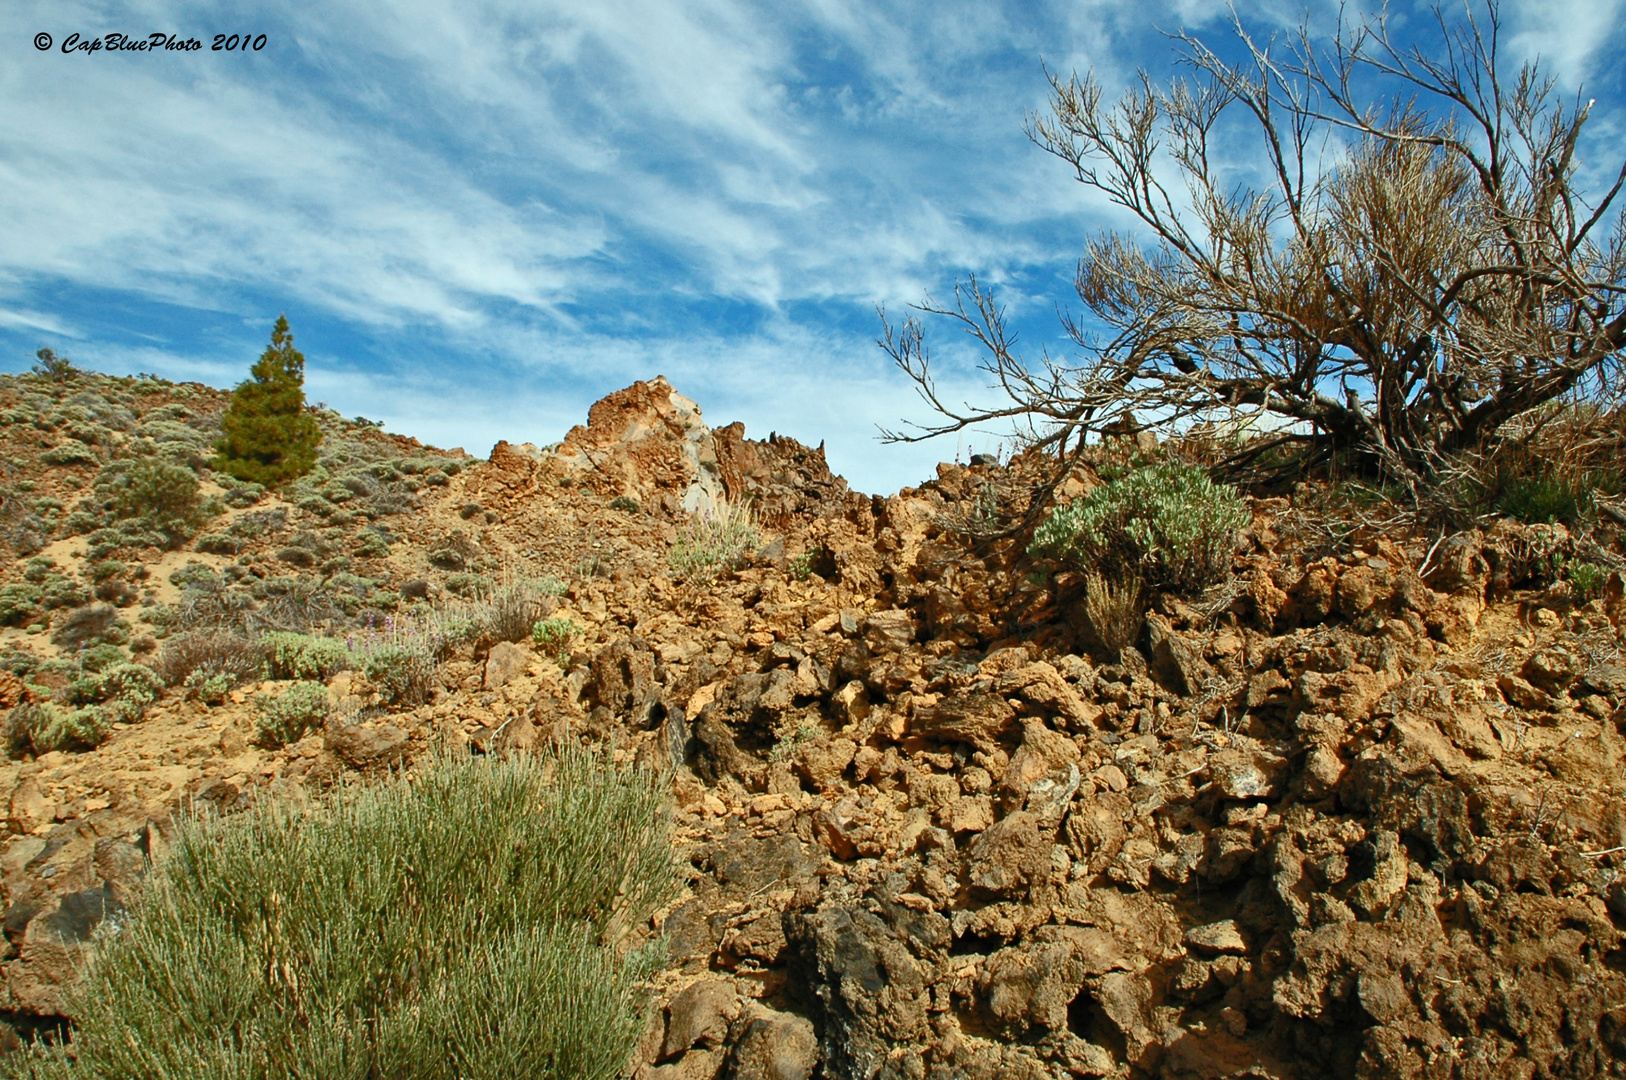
<point>269,437</point>
<point>19,602</point>
<point>1587,580</point>
<point>243,494</point>
<point>209,689</point>
<point>287,717</point>
<point>162,497</point>
<point>131,686</point>
<point>54,367</point>
<point>714,541</point>
<point>218,544</point>
<point>304,656</point>
<point>461,925</point>
<point>404,674</point>
<point>101,657</point>
<point>467,585</point>
<point>41,729</point>
<point>370,544</point>
<point>554,637</point>
<point>1170,524</point>
<point>70,453</point>
<point>1543,500</point>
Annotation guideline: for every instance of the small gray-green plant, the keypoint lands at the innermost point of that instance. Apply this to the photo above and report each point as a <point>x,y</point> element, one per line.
<point>209,689</point>
<point>554,637</point>
<point>790,741</point>
<point>1587,580</point>
<point>287,717</point>
<point>1171,524</point>
<point>714,541</point>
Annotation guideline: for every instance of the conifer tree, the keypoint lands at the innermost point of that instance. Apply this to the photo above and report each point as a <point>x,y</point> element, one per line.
<point>270,438</point>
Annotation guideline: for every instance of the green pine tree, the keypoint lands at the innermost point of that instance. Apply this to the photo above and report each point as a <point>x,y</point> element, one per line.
<point>270,438</point>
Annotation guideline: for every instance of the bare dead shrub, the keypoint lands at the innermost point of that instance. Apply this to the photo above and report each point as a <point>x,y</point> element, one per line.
<point>211,654</point>
<point>1420,268</point>
<point>1113,609</point>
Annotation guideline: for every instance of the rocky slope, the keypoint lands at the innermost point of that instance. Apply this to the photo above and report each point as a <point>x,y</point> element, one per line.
<point>1358,813</point>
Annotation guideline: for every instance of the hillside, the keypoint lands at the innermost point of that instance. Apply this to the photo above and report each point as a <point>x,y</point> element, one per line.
<point>1358,812</point>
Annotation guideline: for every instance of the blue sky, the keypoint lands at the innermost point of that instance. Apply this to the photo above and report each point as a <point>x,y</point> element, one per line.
<point>480,217</point>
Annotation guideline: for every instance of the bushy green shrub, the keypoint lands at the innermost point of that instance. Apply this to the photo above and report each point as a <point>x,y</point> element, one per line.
<point>287,717</point>
<point>305,656</point>
<point>370,544</point>
<point>70,453</point>
<point>42,728</point>
<point>19,602</point>
<point>554,637</point>
<point>269,437</point>
<point>99,658</point>
<point>162,497</point>
<point>209,689</point>
<point>714,540</point>
<point>404,673</point>
<point>218,544</point>
<point>461,925</point>
<point>243,494</point>
<point>1171,524</point>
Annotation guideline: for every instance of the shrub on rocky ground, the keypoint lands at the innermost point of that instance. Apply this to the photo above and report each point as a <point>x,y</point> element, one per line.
<point>715,541</point>
<point>210,653</point>
<point>163,497</point>
<point>554,637</point>
<point>1544,500</point>
<point>1113,610</point>
<point>1170,523</point>
<point>461,925</point>
<point>19,602</point>
<point>287,717</point>
<point>404,673</point>
<point>511,610</point>
<point>87,625</point>
<point>37,728</point>
<point>305,656</point>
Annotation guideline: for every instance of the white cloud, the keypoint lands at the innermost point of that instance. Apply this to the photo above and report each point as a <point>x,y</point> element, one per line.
<point>37,320</point>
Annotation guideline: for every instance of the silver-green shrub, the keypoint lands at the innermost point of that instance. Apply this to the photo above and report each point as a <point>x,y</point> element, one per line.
<point>463,924</point>
<point>713,541</point>
<point>1171,524</point>
<point>305,656</point>
<point>554,637</point>
<point>302,708</point>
